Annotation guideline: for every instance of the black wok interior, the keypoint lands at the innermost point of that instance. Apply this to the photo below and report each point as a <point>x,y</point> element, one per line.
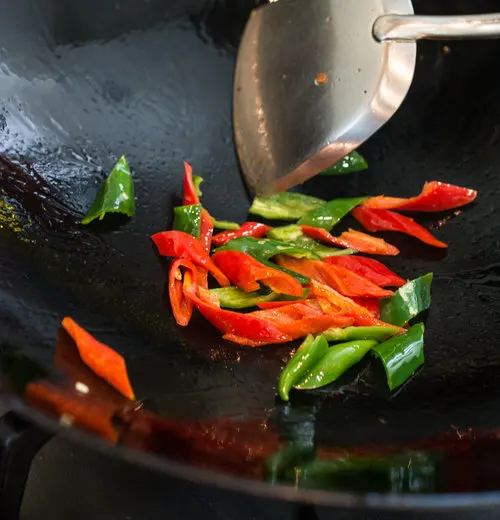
<point>82,83</point>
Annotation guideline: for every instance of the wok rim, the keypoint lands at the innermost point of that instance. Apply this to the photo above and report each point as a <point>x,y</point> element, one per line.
<point>252,487</point>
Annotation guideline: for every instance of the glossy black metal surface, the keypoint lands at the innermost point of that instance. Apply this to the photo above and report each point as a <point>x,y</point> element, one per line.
<point>82,83</point>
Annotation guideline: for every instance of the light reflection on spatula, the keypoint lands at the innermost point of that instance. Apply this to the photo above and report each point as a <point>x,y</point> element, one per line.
<point>316,78</point>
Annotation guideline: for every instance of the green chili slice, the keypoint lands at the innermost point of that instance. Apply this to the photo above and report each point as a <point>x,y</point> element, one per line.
<point>116,195</point>
<point>188,219</point>
<point>294,235</point>
<point>235,298</point>
<point>334,363</point>
<point>407,302</point>
<point>351,163</point>
<point>309,354</point>
<point>266,248</point>
<point>197,180</point>
<point>402,355</point>
<point>356,333</point>
<point>226,224</point>
<point>331,213</point>
<point>284,206</point>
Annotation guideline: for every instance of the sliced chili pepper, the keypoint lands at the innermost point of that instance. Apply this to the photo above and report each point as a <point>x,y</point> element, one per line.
<point>294,235</point>
<point>365,243</point>
<point>356,333</point>
<point>309,354</point>
<point>181,245</point>
<point>248,229</point>
<point>435,196</point>
<point>384,220</point>
<point>368,268</point>
<point>408,301</point>
<point>402,355</point>
<point>226,224</point>
<point>116,195</point>
<point>350,284</point>
<point>190,189</point>
<point>191,197</point>
<point>273,304</point>
<point>197,180</point>
<point>370,304</point>
<point>330,213</point>
<point>332,302</point>
<point>334,363</point>
<point>182,307</point>
<point>339,278</point>
<point>206,230</point>
<point>235,298</point>
<point>284,206</point>
<point>101,359</point>
<point>245,272</point>
<point>298,319</point>
<point>353,239</point>
<point>265,248</point>
<point>249,329</point>
<point>351,163</point>
<point>188,219</point>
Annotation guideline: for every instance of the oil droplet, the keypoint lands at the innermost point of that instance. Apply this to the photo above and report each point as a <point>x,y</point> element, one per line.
<point>321,79</point>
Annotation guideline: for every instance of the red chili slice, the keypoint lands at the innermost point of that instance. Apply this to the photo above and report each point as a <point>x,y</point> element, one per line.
<point>182,245</point>
<point>248,229</point>
<point>299,319</point>
<point>245,272</point>
<point>368,268</point>
<point>190,195</point>
<point>101,359</point>
<point>370,304</point>
<point>244,326</point>
<point>333,302</point>
<point>339,278</point>
<point>353,239</point>
<point>384,220</point>
<point>435,196</point>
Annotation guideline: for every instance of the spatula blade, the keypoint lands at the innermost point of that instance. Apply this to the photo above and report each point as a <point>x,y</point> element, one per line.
<point>312,84</point>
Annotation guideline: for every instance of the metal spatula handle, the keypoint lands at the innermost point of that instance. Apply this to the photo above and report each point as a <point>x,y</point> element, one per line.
<point>404,28</point>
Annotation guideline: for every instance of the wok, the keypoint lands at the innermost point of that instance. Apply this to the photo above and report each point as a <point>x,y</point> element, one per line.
<point>82,83</point>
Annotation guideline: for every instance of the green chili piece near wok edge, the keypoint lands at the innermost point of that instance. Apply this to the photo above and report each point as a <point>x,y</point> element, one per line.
<point>188,219</point>
<point>116,195</point>
<point>402,355</point>
<point>294,235</point>
<point>407,302</point>
<point>351,163</point>
<point>330,213</point>
<point>356,333</point>
<point>308,355</point>
<point>334,363</point>
<point>284,206</point>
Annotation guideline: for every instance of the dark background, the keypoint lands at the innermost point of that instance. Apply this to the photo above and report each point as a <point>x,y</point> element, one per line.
<point>452,138</point>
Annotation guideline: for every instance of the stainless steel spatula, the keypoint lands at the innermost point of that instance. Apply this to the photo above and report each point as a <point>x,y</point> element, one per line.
<point>316,78</point>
